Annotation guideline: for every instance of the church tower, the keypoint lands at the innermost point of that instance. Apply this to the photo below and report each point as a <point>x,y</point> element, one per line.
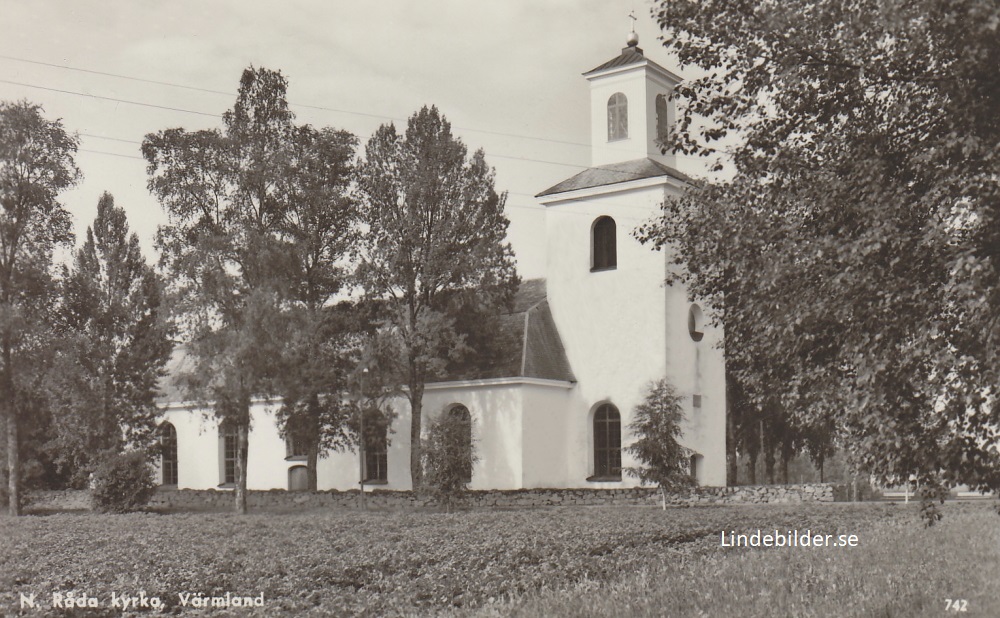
<point>630,108</point>
<point>622,327</point>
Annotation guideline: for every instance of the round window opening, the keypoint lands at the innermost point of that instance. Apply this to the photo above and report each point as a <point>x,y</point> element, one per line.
<point>696,321</point>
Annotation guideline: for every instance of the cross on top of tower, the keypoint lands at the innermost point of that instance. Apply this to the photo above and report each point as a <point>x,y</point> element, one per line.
<point>633,38</point>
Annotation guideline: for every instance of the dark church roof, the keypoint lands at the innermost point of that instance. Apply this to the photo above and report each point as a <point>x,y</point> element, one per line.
<point>614,173</point>
<point>180,363</point>
<point>527,345</point>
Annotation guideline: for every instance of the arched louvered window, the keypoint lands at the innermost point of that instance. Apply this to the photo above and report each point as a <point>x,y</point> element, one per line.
<point>604,246</point>
<point>168,454</point>
<point>617,117</point>
<point>607,443</point>
<point>696,323</point>
<point>662,118</point>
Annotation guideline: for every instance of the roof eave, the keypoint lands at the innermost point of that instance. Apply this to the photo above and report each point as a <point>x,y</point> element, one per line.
<point>627,185</point>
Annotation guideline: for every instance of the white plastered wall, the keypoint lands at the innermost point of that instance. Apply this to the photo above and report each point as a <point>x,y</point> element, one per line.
<point>640,85</point>
<point>624,328</point>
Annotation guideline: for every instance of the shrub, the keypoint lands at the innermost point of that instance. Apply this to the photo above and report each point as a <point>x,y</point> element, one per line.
<point>448,458</point>
<point>657,423</point>
<point>123,483</point>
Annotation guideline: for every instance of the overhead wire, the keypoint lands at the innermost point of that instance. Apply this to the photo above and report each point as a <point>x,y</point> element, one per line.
<point>322,108</point>
<point>230,94</point>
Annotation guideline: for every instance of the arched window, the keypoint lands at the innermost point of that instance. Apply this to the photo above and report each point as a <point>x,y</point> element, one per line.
<point>376,447</point>
<point>604,247</point>
<point>617,117</point>
<point>459,414</point>
<point>696,321</point>
<point>298,478</point>
<point>168,454</point>
<point>230,449</point>
<point>696,465</point>
<point>662,118</point>
<point>607,443</point>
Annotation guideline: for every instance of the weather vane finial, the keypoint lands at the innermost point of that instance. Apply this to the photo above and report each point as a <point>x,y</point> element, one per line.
<point>633,38</point>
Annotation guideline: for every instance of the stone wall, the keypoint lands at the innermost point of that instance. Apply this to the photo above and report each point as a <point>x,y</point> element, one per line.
<point>210,499</point>
<point>187,498</point>
<point>58,500</point>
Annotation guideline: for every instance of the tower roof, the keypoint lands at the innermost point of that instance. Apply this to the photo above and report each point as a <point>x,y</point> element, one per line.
<point>614,173</point>
<point>629,55</point>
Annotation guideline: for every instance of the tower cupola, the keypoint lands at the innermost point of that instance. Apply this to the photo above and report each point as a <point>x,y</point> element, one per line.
<point>630,107</point>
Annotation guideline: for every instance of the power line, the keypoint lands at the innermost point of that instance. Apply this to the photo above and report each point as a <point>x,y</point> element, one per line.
<point>230,94</point>
<point>303,105</point>
<point>96,96</point>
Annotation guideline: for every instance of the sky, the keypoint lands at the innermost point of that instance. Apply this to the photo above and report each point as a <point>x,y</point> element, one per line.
<point>506,74</point>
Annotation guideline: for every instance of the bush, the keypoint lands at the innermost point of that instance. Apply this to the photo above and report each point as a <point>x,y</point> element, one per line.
<point>448,457</point>
<point>657,423</point>
<point>123,483</point>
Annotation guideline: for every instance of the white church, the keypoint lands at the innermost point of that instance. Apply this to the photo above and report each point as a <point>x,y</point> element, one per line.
<point>593,336</point>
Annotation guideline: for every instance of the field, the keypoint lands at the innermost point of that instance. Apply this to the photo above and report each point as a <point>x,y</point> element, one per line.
<point>533,562</point>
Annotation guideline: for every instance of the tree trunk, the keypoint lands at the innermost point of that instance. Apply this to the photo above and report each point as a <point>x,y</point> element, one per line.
<point>242,432</point>
<point>787,452</point>
<point>13,464</point>
<point>13,440</point>
<point>752,467</point>
<point>312,456</point>
<point>663,498</point>
<point>767,434</point>
<point>732,463</point>
<point>820,469</point>
<point>416,409</point>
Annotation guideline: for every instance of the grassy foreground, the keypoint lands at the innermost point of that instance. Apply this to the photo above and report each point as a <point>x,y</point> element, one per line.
<point>537,562</point>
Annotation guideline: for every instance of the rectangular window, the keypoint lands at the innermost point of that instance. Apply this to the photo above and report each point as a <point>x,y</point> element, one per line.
<point>376,465</point>
<point>230,449</point>
<point>295,448</point>
<point>696,400</point>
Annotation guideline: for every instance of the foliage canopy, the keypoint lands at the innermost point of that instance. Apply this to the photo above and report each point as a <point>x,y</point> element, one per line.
<point>853,255</point>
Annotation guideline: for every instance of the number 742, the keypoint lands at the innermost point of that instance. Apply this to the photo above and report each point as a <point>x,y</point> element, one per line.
<point>956,605</point>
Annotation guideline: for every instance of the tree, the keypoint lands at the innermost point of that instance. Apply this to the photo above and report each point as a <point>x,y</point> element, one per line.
<point>434,247</point>
<point>36,164</point>
<point>322,343</point>
<point>115,342</point>
<point>227,247</point>
<point>657,423</point>
<point>449,457</point>
<point>863,139</point>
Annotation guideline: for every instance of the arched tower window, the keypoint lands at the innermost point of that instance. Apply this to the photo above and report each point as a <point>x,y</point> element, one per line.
<point>617,117</point>
<point>460,415</point>
<point>168,454</point>
<point>376,447</point>
<point>662,118</point>
<point>604,249</point>
<point>607,442</point>
<point>696,323</point>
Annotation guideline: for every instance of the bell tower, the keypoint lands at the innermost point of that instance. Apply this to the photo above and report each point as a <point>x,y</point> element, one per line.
<point>630,107</point>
